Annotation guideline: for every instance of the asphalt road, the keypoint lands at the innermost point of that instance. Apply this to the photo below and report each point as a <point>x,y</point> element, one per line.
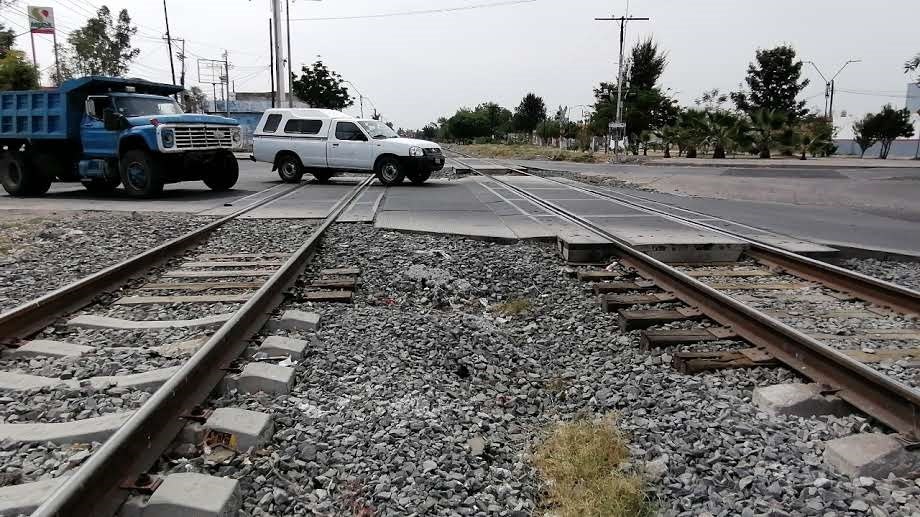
<point>190,196</point>
<point>876,208</point>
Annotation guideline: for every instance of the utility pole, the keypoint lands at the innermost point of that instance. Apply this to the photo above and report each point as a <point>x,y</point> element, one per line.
<point>181,56</point>
<point>829,87</point>
<point>279,55</point>
<point>287,15</point>
<point>622,20</point>
<point>172,67</point>
<point>227,79</point>
<point>271,57</point>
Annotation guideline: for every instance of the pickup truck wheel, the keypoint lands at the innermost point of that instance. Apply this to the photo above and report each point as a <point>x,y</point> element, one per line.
<point>140,174</point>
<point>19,179</point>
<point>223,172</point>
<point>390,171</point>
<point>290,169</point>
<point>417,178</point>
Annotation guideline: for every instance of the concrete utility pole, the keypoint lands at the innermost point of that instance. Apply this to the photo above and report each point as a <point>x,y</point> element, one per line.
<point>287,15</point>
<point>279,54</point>
<point>829,86</point>
<point>271,57</point>
<point>172,67</point>
<point>622,20</point>
<point>227,78</point>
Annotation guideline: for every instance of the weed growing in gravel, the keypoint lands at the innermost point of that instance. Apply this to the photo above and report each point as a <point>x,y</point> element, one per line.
<point>580,462</point>
<point>513,307</point>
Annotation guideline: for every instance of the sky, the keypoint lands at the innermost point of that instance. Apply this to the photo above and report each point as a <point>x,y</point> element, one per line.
<point>417,68</point>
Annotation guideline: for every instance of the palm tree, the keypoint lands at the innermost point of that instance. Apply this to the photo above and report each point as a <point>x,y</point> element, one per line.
<point>767,129</point>
<point>690,131</point>
<point>667,135</point>
<point>721,129</point>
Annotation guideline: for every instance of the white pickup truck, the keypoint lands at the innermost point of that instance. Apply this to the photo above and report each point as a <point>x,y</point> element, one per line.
<point>322,142</point>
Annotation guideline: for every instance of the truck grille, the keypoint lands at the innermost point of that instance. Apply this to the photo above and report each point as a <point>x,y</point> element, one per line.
<point>203,137</point>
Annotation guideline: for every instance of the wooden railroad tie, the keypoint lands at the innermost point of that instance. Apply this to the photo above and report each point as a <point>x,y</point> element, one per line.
<point>343,271</point>
<point>694,362</point>
<point>622,286</point>
<point>340,289</point>
<point>597,276</point>
<point>735,273</point>
<point>159,300</point>
<point>199,286</point>
<point>638,320</point>
<point>613,302</point>
<point>327,296</point>
<point>650,339</point>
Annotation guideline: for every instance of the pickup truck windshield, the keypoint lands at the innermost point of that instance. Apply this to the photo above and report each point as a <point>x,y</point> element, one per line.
<point>378,130</point>
<point>139,106</point>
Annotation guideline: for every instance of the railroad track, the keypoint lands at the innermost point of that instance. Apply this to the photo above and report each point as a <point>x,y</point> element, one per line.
<point>833,326</point>
<point>221,297</point>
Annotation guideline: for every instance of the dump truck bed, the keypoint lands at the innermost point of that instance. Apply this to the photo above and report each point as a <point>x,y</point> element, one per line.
<point>33,114</point>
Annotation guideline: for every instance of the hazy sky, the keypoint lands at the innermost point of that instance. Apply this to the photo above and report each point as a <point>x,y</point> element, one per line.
<point>417,68</point>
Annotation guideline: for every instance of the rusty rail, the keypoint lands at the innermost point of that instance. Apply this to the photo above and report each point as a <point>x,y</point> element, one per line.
<point>32,316</point>
<point>889,401</point>
<point>95,489</point>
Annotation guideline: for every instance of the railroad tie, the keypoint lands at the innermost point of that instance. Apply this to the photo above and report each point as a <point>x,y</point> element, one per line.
<point>613,302</point>
<point>638,320</point>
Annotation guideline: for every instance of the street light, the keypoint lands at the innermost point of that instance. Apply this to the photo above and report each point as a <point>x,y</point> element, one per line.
<point>829,88</point>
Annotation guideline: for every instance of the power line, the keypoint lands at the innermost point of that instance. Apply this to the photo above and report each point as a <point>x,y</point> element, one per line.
<point>412,13</point>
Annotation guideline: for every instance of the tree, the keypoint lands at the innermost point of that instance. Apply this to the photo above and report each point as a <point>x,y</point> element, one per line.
<point>721,130</point>
<point>913,65</point>
<point>891,124</point>
<point>430,131</point>
<point>767,129</point>
<point>321,88</point>
<point>15,72</point>
<point>530,112</point>
<point>773,84</point>
<point>865,133</point>
<point>467,124</point>
<point>101,47</point>
<point>499,118</point>
<point>814,135</point>
<point>194,100</point>
<point>690,132</point>
<point>646,65</point>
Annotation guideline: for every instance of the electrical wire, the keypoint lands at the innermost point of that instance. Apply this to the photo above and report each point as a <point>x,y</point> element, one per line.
<point>412,13</point>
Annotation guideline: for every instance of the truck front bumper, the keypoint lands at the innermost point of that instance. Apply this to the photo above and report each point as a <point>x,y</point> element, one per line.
<point>427,163</point>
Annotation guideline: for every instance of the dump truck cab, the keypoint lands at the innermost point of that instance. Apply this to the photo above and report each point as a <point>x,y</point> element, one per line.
<point>105,132</point>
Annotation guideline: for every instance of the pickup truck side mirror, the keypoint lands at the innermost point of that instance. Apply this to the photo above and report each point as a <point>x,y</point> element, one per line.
<point>112,121</point>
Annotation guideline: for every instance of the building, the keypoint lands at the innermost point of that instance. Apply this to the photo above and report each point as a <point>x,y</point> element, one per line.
<point>901,148</point>
<point>247,108</point>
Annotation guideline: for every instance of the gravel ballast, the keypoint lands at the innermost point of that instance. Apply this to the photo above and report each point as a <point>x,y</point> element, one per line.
<point>902,273</point>
<point>429,395</point>
<point>43,251</point>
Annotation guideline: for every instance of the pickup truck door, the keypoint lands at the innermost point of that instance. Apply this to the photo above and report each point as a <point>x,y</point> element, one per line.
<point>97,141</point>
<point>348,147</point>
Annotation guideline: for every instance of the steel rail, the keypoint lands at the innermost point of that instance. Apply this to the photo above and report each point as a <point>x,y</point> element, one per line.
<point>887,294</point>
<point>889,401</point>
<point>30,317</point>
<point>95,487</point>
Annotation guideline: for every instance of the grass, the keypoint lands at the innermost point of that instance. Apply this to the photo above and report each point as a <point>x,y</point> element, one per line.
<point>527,152</point>
<point>513,307</point>
<point>581,465</point>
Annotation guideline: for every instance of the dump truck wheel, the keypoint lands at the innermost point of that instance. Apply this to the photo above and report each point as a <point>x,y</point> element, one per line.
<point>19,179</point>
<point>223,172</point>
<point>141,174</point>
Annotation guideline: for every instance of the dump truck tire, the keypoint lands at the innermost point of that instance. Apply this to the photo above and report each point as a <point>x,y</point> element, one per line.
<point>19,179</point>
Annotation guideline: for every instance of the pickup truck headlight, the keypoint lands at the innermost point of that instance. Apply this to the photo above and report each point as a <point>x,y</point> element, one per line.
<point>169,138</point>
<point>416,151</point>
<point>235,135</point>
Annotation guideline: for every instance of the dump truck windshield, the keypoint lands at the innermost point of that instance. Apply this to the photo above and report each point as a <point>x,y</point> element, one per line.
<point>140,106</point>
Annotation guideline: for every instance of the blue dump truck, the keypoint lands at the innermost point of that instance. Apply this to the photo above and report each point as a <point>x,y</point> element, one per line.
<point>105,132</point>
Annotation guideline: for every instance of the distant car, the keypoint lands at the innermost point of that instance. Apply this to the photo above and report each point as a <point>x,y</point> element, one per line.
<point>322,142</point>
